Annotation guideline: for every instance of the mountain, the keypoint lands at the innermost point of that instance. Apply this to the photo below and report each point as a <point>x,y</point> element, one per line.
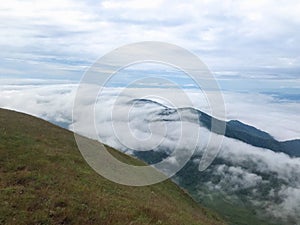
<point>234,128</point>
<point>45,180</point>
<point>245,184</point>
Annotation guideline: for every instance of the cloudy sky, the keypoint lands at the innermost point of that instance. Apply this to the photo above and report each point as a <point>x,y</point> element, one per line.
<point>250,46</point>
<point>61,38</point>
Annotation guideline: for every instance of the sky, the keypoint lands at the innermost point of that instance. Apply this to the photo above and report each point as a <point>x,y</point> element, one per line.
<point>61,38</point>
<point>250,46</point>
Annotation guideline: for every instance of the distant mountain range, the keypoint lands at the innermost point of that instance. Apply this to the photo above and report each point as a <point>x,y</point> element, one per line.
<point>223,186</point>
<point>234,128</point>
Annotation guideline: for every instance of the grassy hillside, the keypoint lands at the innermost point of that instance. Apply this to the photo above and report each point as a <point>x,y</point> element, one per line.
<point>45,180</point>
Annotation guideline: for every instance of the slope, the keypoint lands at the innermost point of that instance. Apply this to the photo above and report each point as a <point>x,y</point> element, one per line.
<point>45,180</point>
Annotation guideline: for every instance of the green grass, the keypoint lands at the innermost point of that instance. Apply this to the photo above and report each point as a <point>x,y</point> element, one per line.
<point>45,180</point>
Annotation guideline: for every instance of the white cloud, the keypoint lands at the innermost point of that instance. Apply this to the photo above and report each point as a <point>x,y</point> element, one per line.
<point>265,160</point>
<point>235,178</point>
<point>225,34</point>
<point>289,207</point>
<point>51,100</point>
<point>46,97</point>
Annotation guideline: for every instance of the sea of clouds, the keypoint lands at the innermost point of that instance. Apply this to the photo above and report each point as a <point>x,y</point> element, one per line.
<point>140,126</point>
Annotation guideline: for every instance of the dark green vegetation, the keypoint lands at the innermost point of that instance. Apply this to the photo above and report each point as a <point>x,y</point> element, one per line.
<point>234,206</point>
<point>45,180</point>
<point>240,205</point>
<point>244,190</point>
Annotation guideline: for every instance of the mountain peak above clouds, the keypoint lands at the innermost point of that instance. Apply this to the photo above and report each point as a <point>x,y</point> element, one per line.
<point>234,128</point>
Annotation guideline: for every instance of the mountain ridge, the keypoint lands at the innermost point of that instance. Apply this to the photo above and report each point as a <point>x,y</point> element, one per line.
<point>234,129</point>
<point>240,185</point>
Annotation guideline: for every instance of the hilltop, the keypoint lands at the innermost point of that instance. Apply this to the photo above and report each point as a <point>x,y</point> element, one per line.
<point>45,180</point>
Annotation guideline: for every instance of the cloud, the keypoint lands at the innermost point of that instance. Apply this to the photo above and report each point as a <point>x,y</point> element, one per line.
<point>43,98</point>
<point>289,206</point>
<point>226,35</point>
<point>265,160</point>
<point>51,100</point>
<point>235,178</point>
<point>245,167</point>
